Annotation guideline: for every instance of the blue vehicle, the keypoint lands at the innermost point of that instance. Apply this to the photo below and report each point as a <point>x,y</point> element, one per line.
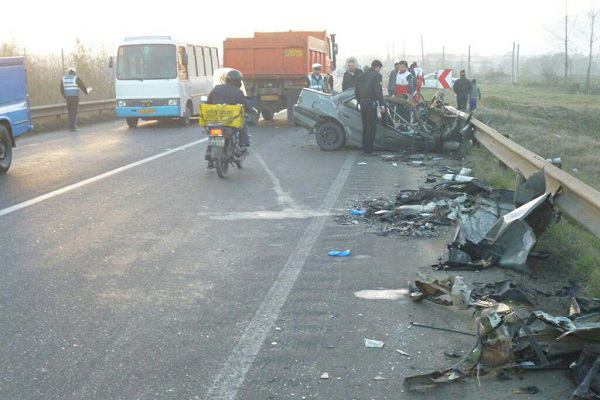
<point>15,118</point>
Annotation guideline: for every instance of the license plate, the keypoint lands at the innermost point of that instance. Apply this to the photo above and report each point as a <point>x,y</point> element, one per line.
<point>147,111</point>
<point>269,97</point>
<point>216,141</point>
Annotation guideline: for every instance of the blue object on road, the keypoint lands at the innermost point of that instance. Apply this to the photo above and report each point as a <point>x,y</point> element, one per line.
<point>15,118</point>
<point>358,212</point>
<point>337,253</point>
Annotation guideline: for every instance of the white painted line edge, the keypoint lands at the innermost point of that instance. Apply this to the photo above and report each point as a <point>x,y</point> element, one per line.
<point>85,182</point>
<point>233,373</point>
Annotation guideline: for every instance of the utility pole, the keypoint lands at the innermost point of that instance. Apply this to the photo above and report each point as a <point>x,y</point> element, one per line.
<point>517,67</point>
<point>62,57</point>
<point>422,54</point>
<point>469,62</point>
<point>566,41</point>
<point>443,56</point>
<point>512,74</point>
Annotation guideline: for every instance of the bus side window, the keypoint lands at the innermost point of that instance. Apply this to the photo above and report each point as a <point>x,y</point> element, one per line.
<point>183,73</point>
<point>207,61</point>
<point>192,67</point>
<point>214,57</point>
<point>201,63</point>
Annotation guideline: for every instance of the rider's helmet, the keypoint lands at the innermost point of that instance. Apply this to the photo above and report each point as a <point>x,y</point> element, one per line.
<point>234,77</point>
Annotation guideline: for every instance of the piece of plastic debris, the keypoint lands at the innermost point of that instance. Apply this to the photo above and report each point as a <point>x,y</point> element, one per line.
<point>405,354</point>
<point>395,164</point>
<point>381,294</point>
<point>358,212</point>
<point>325,375</point>
<point>362,163</point>
<point>373,344</point>
<point>457,178</point>
<point>416,162</point>
<point>379,378</point>
<point>337,253</point>
<point>465,171</point>
<point>278,329</point>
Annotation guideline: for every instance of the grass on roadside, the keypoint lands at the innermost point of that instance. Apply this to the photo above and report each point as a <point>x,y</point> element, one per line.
<point>552,125</point>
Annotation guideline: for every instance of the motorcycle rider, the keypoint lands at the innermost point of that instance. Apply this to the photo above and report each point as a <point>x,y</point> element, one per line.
<point>231,93</point>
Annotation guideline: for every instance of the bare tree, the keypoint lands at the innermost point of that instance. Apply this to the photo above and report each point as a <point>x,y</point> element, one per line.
<point>593,15</point>
<point>564,38</point>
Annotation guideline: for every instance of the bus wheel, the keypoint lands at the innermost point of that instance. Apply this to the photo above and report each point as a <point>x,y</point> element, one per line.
<point>5,150</point>
<point>132,122</point>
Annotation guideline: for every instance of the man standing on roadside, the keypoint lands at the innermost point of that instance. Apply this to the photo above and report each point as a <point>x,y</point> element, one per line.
<point>316,80</point>
<point>369,92</point>
<point>351,75</point>
<point>462,88</point>
<point>392,81</point>
<point>70,86</point>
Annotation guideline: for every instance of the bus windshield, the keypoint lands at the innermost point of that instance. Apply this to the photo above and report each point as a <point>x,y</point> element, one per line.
<point>147,61</point>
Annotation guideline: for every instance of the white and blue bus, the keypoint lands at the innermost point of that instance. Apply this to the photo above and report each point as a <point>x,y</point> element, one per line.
<point>158,78</point>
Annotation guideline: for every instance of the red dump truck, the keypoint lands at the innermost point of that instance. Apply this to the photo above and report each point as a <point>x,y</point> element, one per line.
<point>275,65</point>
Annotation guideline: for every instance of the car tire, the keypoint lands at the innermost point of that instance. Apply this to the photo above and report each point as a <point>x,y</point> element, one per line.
<point>267,114</point>
<point>5,150</point>
<point>330,136</point>
<point>132,122</point>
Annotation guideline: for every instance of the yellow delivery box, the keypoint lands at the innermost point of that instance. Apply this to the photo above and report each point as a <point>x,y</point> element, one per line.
<point>222,114</point>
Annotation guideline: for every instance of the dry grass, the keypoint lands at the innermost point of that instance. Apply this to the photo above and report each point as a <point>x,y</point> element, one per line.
<point>44,73</point>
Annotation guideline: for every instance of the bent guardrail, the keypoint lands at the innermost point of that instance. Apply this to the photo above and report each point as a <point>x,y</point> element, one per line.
<point>58,110</point>
<point>578,200</point>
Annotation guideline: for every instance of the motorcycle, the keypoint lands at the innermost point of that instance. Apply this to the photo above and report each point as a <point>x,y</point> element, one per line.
<point>223,142</point>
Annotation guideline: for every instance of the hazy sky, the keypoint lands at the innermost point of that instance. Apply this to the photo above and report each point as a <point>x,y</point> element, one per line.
<point>489,26</point>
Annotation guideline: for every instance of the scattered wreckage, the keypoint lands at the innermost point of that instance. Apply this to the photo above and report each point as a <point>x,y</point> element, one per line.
<point>336,121</point>
<point>493,227</point>
<point>511,335</point>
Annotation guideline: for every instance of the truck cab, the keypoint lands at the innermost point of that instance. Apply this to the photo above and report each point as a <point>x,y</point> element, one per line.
<point>15,116</point>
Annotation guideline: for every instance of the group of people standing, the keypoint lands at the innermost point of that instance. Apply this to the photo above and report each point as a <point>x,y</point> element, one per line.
<point>466,91</point>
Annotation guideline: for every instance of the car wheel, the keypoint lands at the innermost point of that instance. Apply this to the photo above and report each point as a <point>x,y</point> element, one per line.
<point>330,136</point>
<point>267,114</point>
<point>5,150</point>
<point>132,122</point>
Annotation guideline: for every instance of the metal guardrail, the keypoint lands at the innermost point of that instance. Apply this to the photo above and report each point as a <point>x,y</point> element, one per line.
<point>58,110</point>
<point>578,200</point>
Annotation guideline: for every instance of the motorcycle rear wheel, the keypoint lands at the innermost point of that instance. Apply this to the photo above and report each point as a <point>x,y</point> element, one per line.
<point>222,166</point>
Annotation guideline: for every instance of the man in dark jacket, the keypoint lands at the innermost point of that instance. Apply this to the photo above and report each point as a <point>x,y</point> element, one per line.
<point>462,87</point>
<point>369,93</point>
<point>392,81</point>
<point>70,85</point>
<point>350,76</point>
<point>230,93</point>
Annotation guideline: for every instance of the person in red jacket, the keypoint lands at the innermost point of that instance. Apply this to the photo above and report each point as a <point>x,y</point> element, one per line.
<point>405,88</point>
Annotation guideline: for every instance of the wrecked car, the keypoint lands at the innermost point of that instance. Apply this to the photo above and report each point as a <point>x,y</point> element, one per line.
<point>336,122</point>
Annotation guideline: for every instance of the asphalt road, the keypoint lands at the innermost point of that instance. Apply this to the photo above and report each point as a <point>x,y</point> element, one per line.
<point>129,271</point>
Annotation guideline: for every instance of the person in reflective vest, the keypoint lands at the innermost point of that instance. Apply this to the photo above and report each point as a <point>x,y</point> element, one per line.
<point>316,80</point>
<point>405,88</point>
<point>70,86</point>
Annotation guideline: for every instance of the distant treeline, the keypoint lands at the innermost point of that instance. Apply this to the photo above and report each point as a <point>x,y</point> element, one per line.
<point>44,72</point>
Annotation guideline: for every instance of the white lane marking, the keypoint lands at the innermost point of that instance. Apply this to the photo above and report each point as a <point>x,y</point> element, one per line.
<point>288,213</point>
<point>283,197</point>
<point>96,178</point>
<point>233,373</point>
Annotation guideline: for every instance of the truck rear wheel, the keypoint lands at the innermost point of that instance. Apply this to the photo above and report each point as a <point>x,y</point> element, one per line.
<point>330,136</point>
<point>132,122</point>
<point>267,114</point>
<point>5,150</point>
